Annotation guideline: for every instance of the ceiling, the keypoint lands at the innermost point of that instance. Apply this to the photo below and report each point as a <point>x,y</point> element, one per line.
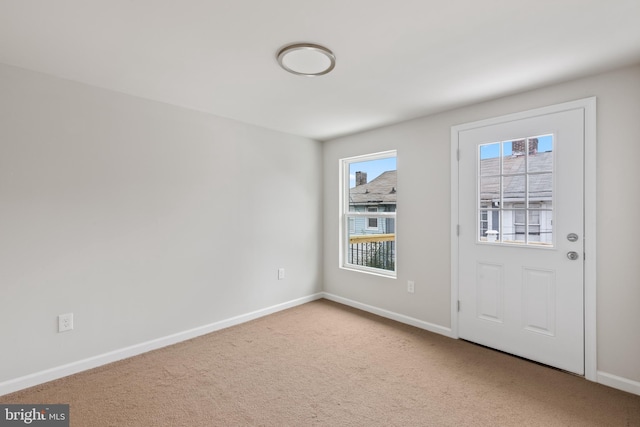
<point>396,60</point>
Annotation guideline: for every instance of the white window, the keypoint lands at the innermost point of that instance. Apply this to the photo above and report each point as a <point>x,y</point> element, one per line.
<point>515,191</point>
<point>372,223</point>
<point>368,206</point>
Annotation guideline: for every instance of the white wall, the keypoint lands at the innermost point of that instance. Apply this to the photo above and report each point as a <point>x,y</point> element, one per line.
<point>423,219</point>
<point>141,218</point>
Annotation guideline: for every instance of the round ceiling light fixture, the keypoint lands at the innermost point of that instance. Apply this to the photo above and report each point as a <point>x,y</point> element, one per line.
<point>306,59</point>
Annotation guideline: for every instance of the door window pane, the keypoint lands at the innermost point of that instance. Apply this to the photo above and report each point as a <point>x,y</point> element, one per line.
<point>490,159</point>
<point>515,191</point>
<point>489,225</point>
<point>513,226</point>
<point>540,189</point>
<point>540,158</point>
<point>489,191</point>
<point>513,159</point>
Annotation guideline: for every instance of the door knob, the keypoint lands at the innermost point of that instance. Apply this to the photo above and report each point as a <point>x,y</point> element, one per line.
<point>572,255</point>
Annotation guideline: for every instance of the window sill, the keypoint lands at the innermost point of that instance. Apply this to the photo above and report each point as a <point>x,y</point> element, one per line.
<point>372,271</point>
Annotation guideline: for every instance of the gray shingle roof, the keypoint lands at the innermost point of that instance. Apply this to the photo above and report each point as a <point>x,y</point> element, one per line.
<point>381,190</point>
<point>540,184</point>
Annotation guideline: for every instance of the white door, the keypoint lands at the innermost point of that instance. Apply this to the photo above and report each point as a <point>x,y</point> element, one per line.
<point>521,215</point>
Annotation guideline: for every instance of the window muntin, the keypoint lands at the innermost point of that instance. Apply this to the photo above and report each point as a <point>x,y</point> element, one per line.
<point>515,191</point>
<point>369,205</point>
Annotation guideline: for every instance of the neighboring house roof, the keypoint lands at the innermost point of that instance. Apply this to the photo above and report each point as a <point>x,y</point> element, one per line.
<point>380,191</point>
<point>540,185</point>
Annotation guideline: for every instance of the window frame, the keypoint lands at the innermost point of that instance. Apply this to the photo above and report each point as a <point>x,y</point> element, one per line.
<point>521,218</point>
<point>346,215</point>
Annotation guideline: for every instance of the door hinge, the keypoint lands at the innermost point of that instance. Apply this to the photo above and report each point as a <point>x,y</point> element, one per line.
<point>457,229</point>
<point>458,154</point>
<point>458,305</point>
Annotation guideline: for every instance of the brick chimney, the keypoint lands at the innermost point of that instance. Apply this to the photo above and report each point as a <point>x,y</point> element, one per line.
<point>518,147</point>
<point>361,178</point>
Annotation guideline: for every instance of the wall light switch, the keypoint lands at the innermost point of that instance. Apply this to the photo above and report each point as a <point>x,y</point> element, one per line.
<point>411,286</point>
<point>280,273</point>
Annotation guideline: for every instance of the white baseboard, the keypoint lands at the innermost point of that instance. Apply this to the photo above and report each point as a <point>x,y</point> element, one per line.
<point>620,383</point>
<point>41,377</point>
<point>391,315</point>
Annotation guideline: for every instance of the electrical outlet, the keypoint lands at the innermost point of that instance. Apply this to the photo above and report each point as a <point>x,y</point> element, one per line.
<point>65,322</point>
<point>280,273</point>
<point>411,286</point>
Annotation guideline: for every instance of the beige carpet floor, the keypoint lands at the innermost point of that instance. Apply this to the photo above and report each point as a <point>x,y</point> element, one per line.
<point>326,364</point>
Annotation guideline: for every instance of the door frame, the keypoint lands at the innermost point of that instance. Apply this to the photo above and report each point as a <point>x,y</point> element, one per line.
<point>589,107</point>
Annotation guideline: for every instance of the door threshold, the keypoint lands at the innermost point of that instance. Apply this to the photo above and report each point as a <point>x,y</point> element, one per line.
<point>523,358</point>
